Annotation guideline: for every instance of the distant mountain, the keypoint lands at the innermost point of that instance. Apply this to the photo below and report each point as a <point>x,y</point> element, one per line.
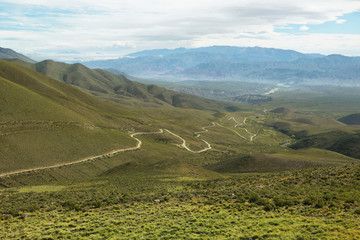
<point>229,53</point>
<point>333,69</point>
<point>117,88</point>
<point>163,61</point>
<point>252,64</point>
<point>6,53</point>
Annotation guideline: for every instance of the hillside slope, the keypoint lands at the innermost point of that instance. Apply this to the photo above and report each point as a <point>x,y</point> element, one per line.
<point>337,141</point>
<point>6,53</point>
<point>117,87</point>
<point>352,119</point>
<point>45,122</point>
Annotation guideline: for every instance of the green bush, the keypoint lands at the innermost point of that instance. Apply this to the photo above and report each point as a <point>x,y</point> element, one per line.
<point>319,203</point>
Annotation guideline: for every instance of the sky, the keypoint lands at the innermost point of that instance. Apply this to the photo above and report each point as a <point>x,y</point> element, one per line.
<point>81,30</point>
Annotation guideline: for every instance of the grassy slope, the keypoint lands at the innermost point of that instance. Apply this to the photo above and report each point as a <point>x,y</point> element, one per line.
<point>352,119</point>
<point>117,87</point>
<point>280,161</point>
<point>337,141</point>
<point>308,204</point>
<point>44,122</point>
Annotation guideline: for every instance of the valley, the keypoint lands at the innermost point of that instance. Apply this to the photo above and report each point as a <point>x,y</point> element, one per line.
<point>87,154</point>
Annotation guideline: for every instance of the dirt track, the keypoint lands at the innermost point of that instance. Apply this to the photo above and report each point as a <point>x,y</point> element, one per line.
<point>138,146</point>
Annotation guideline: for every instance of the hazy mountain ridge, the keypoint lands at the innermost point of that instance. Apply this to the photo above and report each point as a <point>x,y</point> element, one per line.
<point>6,53</point>
<point>223,63</point>
<point>165,60</point>
<point>240,64</point>
<point>334,69</point>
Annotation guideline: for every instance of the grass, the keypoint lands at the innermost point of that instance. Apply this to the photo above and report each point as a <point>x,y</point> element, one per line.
<point>36,146</point>
<point>310,204</point>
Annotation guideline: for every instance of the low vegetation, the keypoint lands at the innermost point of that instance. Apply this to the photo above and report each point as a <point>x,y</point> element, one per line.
<point>323,203</point>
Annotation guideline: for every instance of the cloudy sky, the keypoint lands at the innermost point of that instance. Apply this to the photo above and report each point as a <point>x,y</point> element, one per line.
<point>79,30</point>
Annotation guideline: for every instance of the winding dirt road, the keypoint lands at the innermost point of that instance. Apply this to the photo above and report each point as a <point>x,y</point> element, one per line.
<point>87,159</point>
<point>232,131</point>
<point>109,154</point>
<point>138,146</point>
<point>183,145</point>
<point>252,135</point>
<point>198,134</point>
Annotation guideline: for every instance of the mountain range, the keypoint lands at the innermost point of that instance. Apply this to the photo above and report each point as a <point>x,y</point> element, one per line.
<point>250,64</point>
<point>7,53</point>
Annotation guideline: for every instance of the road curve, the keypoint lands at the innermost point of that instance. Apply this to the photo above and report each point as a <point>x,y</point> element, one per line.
<point>183,145</point>
<point>138,146</point>
<point>232,131</point>
<point>87,159</point>
<point>111,153</point>
<point>237,124</point>
<point>205,129</point>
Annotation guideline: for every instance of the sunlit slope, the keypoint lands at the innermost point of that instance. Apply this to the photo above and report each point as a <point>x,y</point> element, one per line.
<point>118,88</point>
<point>45,122</point>
<point>20,103</point>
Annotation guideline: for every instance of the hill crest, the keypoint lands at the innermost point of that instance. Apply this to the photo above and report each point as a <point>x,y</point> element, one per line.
<point>118,88</point>
<point>7,53</point>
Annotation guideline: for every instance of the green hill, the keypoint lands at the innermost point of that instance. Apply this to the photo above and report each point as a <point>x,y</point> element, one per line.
<point>281,110</point>
<point>45,122</point>
<point>338,141</point>
<point>118,88</point>
<point>280,161</point>
<point>352,119</point>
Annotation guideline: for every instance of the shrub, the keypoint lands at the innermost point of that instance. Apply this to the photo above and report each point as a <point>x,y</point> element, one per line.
<point>308,201</point>
<point>254,198</point>
<point>357,211</point>
<point>319,203</point>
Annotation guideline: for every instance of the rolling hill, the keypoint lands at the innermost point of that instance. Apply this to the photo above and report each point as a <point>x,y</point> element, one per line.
<point>117,87</point>
<point>352,119</point>
<point>337,141</point>
<point>45,122</point>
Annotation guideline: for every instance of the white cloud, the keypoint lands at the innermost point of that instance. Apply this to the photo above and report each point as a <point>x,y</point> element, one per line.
<point>307,43</point>
<point>304,28</point>
<point>110,28</point>
<point>340,21</point>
